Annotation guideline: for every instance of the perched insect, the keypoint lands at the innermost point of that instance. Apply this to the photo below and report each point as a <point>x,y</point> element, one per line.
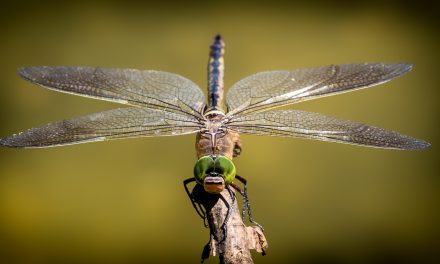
<point>166,104</point>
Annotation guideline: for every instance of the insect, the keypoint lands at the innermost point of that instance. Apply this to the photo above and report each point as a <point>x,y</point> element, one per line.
<point>166,104</point>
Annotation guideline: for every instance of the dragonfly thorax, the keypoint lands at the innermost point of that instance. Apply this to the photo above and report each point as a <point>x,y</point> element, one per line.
<point>215,138</point>
<point>214,126</point>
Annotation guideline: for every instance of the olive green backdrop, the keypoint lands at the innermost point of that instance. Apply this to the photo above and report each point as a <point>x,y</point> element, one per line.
<point>123,201</point>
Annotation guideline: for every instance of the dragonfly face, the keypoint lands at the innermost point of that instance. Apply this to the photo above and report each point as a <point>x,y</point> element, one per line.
<point>214,173</point>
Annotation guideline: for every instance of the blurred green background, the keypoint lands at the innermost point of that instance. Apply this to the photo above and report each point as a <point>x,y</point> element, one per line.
<point>123,201</point>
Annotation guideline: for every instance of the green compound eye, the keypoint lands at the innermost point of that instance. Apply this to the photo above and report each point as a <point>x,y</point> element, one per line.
<point>226,167</point>
<point>220,165</point>
<point>202,166</point>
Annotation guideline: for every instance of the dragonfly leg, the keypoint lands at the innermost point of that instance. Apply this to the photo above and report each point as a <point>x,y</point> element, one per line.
<point>238,189</point>
<point>246,203</point>
<point>197,206</point>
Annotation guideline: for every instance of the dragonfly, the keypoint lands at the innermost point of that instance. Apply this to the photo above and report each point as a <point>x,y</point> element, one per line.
<point>167,104</point>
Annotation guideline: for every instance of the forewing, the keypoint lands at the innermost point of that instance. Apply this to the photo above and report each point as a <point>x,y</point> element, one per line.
<point>301,124</point>
<point>161,90</point>
<point>266,90</point>
<point>114,124</point>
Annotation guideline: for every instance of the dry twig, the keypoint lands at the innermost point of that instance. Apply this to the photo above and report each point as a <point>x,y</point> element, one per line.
<point>230,239</point>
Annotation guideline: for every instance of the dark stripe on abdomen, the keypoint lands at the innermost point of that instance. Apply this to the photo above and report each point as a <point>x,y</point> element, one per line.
<point>215,73</point>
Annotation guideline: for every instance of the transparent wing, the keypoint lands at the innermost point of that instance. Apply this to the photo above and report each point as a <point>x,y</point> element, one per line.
<point>160,90</point>
<point>301,124</point>
<point>114,124</point>
<point>266,90</point>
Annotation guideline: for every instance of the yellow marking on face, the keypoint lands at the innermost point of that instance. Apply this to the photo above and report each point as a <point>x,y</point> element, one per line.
<point>214,188</point>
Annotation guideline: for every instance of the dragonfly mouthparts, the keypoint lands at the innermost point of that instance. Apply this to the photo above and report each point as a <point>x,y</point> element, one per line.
<point>214,184</point>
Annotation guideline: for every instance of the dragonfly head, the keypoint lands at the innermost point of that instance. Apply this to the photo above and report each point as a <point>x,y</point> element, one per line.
<point>214,173</point>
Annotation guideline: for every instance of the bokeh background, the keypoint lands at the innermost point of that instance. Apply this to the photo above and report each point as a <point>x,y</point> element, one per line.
<point>123,201</point>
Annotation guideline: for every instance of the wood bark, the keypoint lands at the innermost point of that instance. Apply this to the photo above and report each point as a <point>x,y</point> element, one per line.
<point>230,238</point>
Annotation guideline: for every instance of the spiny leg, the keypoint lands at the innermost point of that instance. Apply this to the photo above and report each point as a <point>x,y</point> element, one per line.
<point>243,193</point>
<point>197,206</point>
<point>238,189</point>
<point>246,203</point>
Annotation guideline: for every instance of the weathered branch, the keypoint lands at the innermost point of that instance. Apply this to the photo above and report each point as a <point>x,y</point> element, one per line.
<point>230,239</point>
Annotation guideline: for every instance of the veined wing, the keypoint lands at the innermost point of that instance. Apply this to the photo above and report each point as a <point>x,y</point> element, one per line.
<point>301,124</point>
<point>161,90</point>
<point>114,124</point>
<point>265,90</point>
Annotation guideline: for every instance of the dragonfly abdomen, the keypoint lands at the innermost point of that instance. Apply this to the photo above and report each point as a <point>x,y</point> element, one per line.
<point>216,73</point>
